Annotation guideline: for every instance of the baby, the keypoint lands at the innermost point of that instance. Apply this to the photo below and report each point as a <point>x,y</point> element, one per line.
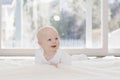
<point>48,40</point>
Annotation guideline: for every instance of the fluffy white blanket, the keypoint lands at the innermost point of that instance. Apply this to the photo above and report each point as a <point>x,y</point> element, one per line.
<point>95,69</point>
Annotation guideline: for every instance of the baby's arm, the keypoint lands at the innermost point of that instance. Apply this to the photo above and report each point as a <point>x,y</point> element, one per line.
<point>66,59</point>
<point>55,65</point>
<point>38,58</point>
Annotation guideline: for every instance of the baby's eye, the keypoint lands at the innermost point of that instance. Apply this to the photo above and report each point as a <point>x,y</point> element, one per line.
<point>56,38</point>
<point>49,39</point>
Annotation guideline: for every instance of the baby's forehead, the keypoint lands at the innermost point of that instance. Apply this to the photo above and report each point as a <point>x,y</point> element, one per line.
<point>50,33</point>
<point>49,30</point>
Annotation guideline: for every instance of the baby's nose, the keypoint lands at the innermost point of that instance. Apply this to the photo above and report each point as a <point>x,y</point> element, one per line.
<point>54,41</point>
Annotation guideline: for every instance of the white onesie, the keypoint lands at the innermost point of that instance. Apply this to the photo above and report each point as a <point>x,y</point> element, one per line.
<point>59,58</point>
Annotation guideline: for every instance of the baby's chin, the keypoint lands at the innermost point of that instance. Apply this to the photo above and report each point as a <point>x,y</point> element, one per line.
<point>54,48</point>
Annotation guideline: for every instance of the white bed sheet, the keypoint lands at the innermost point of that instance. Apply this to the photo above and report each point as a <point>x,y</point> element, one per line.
<point>94,69</point>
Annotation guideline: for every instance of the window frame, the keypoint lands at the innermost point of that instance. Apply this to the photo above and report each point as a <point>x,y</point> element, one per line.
<point>88,51</point>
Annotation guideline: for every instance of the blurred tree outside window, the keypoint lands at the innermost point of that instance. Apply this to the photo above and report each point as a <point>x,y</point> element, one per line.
<point>114,24</point>
<point>22,19</point>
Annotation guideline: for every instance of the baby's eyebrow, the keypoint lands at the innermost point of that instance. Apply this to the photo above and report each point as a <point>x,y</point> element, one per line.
<point>56,35</point>
<point>49,38</point>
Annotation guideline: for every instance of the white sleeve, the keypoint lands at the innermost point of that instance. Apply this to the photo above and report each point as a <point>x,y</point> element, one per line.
<point>37,58</point>
<point>65,58</point>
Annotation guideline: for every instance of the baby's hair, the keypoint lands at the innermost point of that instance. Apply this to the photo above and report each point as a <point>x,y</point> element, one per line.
<point>43,28</point>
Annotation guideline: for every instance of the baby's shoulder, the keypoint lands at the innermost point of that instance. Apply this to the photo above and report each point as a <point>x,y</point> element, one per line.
<point>62,52</point>
<point>39,52</point>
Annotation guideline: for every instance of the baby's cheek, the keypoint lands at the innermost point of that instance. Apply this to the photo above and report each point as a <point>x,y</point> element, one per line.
<point>58,43</point>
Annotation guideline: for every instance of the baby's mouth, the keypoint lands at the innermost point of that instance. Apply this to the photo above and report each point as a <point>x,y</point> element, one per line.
<point>53,46</point>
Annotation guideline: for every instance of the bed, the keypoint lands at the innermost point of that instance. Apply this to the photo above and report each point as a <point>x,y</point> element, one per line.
<point>92,69</point>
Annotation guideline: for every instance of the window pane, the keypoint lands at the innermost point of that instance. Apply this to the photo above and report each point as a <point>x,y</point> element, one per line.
<point>96,24</point>
<point>22,19</point>
<point>8,28</point>
<point>72,23</point>
<point>114,24</point>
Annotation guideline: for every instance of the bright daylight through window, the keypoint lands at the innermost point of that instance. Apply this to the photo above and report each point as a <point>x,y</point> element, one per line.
<point>22,18</point>
<point>114,24</point>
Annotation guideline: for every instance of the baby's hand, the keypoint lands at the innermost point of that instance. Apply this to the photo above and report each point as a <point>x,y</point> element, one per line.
<point>55,65</point>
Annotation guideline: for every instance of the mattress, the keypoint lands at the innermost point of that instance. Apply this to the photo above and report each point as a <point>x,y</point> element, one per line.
<point>90,69</point>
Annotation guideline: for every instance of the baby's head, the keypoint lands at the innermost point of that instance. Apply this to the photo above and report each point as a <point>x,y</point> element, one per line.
<point>48,38</point>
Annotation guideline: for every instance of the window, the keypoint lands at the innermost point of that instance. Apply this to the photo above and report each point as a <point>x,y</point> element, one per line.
<point>96,24</point>
<point>80,23</point>
<point>114,24</point>
<point>26,16</point>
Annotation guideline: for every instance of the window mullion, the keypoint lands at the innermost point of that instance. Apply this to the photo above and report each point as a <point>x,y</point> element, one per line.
<point>0,23</point>
<point>88,24</point>
<point>104,24</point>
<point>18,23</point>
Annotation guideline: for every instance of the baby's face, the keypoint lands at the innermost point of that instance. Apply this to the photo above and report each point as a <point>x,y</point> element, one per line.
<point>50,40</point>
